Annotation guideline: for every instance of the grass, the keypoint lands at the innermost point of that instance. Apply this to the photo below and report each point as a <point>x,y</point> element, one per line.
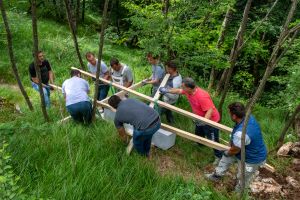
<point>76,162</point>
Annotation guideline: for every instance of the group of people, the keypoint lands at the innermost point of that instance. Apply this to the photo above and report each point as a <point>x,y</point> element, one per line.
<point>146,120</point>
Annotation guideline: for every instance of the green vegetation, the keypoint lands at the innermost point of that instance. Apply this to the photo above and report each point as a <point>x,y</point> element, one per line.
<point>70,161</point>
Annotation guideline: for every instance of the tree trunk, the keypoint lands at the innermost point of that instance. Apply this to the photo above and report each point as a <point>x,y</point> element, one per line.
<point>35,50</point>
<point>103,26</point>
<point>12,56</point>
<point>274,59</point>
<point>235,53</point>
<point>219,44</point>
<point>82,11</point>
<point>73,31</point>
<point>77,12</point>
<point>287,126</point>
<point>221,82</point>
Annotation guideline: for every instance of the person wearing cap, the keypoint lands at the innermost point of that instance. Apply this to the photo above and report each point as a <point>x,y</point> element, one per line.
<point>203,106</point>
<point>75,91</point>
<point>120,73</point>
<point>144,119</point>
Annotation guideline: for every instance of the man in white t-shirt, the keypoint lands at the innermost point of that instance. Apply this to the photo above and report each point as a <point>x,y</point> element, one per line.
<point>75,91</point>
<point>120,73</point>
<point>104,73</point>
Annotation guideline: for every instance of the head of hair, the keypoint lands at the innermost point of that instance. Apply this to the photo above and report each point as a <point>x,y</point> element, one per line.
<point>238,109</point>
<point>114,61</point>
<point>114,101</point>
<point>74,72</point>
<point>89,54</point>
<point>171,64</point>
<point>154,56</point>
<point>189,82</point>
<point>38,52</point>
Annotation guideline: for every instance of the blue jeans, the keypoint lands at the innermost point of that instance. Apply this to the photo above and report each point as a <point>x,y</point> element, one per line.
<point>46,92</point>
<point>81,111</point>
<point>102,91</point>
<point>142,139</point>
<point>210,133</point>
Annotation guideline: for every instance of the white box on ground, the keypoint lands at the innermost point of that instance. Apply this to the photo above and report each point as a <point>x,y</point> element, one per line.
<point>129,129</point>
<point>164,139</point>
<point>109,115</point>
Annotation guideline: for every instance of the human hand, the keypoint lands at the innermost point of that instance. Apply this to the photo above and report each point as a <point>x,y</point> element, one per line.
<point>163,90</point>
<point>145,82</point>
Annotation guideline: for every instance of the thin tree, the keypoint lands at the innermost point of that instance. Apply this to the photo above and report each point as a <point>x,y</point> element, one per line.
<point>277,53</point>
<point>71,21</point>
<point>103,26</point>
<point>12,56</point>
<point>287,126</point>
<point>235,52</point>
<point>35,50</point>
<point>225,74</point>
<point>224,27</point>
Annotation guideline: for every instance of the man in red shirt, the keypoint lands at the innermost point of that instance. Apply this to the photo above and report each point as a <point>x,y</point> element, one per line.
<point>203,106</point>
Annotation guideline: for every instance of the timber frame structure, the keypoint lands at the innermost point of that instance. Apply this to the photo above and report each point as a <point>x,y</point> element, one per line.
<point>155,99</point>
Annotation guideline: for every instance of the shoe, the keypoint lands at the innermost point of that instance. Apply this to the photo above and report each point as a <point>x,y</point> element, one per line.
<point>213,177</point>
<point>216,161</point>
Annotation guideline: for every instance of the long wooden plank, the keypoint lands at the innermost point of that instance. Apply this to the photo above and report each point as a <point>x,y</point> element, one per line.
<point>122,93</point>
<point>165,105</point>
<point>193,137</point>
<point>157,94</point>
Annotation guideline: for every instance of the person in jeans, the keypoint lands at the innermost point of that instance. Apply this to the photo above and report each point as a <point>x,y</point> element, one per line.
<point>75,91</point>
<point>46,76</point>
<point>158,73</point>
<point>174,81</point>
<point>255,148</point>
<point>144,119</point>
<point>104,73</point>
<point>203,106</point>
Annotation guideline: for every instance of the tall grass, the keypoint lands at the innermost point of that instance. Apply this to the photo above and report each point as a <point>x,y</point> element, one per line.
<point>71,161</point>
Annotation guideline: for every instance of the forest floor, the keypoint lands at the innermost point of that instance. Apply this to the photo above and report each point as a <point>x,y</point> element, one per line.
<point>71,161</point>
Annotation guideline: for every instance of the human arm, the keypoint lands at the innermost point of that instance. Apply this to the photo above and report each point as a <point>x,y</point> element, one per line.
<point>51,76</point>
<point>122,134</point>
<point>208,113</point>
<point>164,90</point>
<point>236,144</point>
<point>128,84</point>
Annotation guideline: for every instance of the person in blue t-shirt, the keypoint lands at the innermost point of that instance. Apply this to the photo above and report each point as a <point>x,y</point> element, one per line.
<point>255,148</point>
<point>158,73</point>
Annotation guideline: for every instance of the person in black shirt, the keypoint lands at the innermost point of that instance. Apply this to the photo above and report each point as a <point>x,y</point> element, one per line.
<point>46,75</point>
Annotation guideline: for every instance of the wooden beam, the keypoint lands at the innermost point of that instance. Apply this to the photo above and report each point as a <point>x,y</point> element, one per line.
<point>157,94</point>
<point>122,93</point>
<point>193,137</point>
<point>164,104</point>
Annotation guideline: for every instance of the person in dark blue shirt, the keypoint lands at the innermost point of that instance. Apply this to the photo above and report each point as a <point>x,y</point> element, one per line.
<point>255,148</point>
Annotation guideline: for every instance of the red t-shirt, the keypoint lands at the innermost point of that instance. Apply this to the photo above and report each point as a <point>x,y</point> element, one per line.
<point>201,102</point>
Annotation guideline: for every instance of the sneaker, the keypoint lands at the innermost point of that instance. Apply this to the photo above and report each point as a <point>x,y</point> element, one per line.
<point>213,177</point>
<point>216,161</point>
